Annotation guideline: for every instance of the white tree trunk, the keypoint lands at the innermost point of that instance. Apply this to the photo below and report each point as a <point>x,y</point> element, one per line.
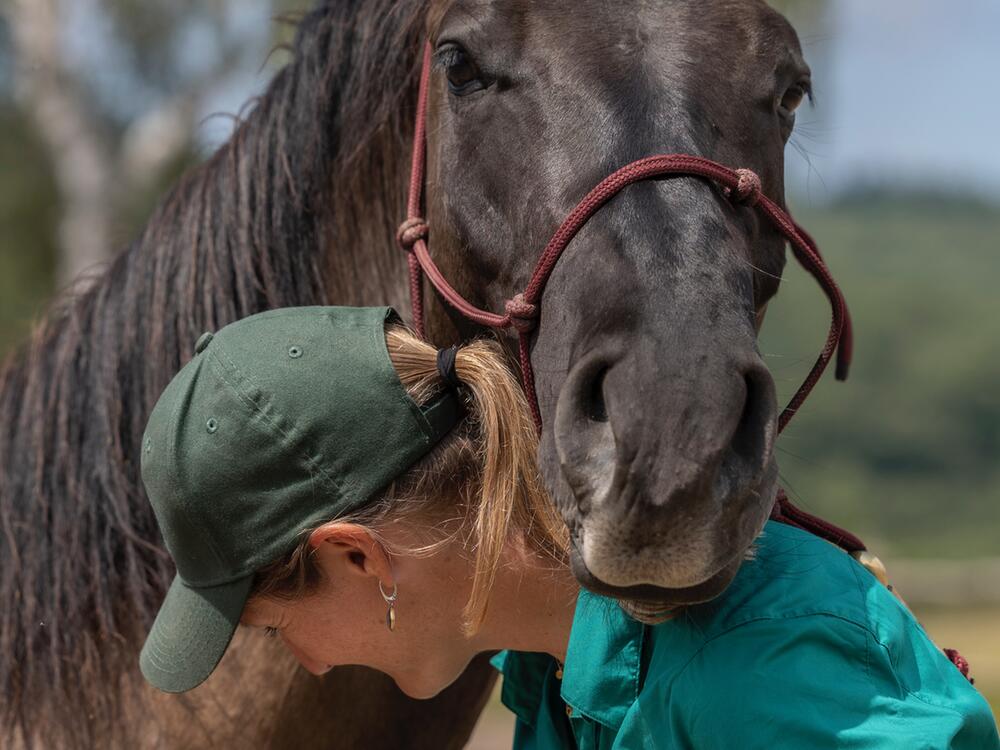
<point>81,160</point>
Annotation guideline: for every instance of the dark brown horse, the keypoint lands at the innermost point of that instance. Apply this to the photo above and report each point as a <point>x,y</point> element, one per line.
<point>659,412</point>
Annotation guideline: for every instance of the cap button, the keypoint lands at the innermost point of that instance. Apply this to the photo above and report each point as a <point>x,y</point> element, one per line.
<point>203,341</point>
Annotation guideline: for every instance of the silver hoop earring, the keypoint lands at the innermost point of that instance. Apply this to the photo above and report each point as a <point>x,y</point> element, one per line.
<point>390,599</point>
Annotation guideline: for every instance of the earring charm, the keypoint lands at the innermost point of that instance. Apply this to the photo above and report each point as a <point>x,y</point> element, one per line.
<point>390,599</point>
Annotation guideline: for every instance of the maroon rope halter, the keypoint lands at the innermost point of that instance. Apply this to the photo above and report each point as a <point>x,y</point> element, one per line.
<point>521,311</point>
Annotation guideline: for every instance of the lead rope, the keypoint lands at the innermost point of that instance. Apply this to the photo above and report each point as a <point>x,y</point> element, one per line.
<point>521,312</point>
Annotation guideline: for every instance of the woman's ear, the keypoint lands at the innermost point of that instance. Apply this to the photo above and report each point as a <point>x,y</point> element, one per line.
<point>352,549</point>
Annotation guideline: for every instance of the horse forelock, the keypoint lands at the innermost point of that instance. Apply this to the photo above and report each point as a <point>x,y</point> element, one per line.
<point>297,208</point>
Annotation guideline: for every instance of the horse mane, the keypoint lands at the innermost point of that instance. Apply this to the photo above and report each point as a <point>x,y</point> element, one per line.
<point>297,208</point>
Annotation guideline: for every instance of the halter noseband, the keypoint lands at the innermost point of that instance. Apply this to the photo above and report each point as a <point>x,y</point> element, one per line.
<point>521,312</point>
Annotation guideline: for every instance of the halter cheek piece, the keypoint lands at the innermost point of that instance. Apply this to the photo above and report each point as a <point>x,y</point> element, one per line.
<point>742,186</point>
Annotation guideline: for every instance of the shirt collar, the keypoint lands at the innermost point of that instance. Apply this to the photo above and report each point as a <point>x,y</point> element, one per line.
<point>603,660</point>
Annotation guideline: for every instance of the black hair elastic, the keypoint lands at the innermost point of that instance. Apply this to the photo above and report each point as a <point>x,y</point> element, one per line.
<point>446,367</point>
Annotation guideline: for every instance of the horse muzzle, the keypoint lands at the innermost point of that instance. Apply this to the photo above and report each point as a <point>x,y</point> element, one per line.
<point>668,489</point>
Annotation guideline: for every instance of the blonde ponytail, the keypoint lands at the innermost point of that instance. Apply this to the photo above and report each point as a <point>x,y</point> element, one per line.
<point>510,496</point>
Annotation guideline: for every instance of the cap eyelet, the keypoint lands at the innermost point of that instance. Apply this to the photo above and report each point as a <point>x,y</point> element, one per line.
<point>295,352</point>
<point>212,424</point>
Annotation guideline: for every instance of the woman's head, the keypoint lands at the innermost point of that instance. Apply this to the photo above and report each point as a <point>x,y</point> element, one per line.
<point>445,516</point>
<point>437,536</point>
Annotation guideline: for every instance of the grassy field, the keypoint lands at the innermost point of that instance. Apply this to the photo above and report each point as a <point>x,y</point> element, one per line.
<point>903,453</point>
<point>974,632</point>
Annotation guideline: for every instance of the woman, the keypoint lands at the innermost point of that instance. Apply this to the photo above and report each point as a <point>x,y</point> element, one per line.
<point>323,474</point>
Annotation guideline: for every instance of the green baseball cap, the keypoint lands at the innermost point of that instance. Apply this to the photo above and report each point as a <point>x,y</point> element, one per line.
<point>280,422</point>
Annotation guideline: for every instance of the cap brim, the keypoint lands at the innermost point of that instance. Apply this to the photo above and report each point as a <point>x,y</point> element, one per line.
<point>191,633</point>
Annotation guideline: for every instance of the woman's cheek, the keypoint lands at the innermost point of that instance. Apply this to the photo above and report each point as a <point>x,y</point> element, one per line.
<point>319,641</point>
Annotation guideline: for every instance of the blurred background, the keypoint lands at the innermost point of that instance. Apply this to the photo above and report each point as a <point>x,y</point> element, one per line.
<point>895,169</point>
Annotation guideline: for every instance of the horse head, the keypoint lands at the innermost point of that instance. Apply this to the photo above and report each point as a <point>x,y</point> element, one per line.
<point>659,414</point>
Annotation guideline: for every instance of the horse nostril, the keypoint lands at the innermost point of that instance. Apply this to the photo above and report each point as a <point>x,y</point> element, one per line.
<point>582,432</point>
<point>596,407</point>
<point>754,435</point>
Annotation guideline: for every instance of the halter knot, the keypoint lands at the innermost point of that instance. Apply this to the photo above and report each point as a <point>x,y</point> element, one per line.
<point>959,661</point>
<point>748,188</point>
<point>523,315</point>
<point>410,231</point>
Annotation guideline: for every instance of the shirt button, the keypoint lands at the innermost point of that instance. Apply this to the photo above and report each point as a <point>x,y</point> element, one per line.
<point>558,674</point>
<point>569,711</point>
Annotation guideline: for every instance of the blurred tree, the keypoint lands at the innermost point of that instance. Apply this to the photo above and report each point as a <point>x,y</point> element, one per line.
<point>78,150</point>
<point>28,209</point>
<point>115,89</point>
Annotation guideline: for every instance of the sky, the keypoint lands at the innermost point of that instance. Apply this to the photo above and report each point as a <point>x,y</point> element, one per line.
<point>907,92</point>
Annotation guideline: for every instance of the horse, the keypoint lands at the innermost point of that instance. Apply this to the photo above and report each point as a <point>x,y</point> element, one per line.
<point>659,413</point>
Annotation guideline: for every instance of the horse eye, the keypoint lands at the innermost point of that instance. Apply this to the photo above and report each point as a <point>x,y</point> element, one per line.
<point>463,75</point>
<point>792,99</point>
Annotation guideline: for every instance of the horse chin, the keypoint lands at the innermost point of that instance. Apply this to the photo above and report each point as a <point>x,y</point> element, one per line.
<point>652,604</point>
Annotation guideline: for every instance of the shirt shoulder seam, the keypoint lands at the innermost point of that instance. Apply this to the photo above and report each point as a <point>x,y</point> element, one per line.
<point>871,630</point>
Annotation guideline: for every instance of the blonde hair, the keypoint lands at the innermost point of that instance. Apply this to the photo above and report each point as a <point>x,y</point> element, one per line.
<point>479,484</point>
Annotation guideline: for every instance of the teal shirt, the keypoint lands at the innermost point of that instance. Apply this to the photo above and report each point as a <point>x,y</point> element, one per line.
<point>805,649</point>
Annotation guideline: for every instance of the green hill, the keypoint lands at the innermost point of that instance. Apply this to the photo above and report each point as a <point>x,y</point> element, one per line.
<point>905,451</point>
